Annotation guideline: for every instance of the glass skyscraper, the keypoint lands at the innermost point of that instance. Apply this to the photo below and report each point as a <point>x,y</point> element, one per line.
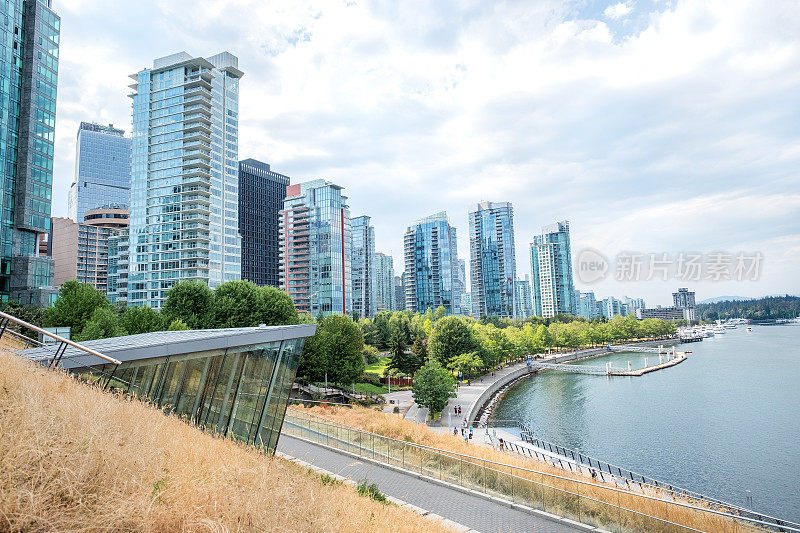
<point>363,266</point>
<point>184,175</point>
<point>551,272</point>
<point>431,264</point>
<point>315,264</point>
<point>261,196</point>
<point>102,170</point>
<point>384,282</point>
<point>29,45</point>
<point>493,264</point>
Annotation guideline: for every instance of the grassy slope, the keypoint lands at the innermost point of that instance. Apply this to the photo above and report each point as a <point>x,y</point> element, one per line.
<point>75,458</point>
<point>377,368</point>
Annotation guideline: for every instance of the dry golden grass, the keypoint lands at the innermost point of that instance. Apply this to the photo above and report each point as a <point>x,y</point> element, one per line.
<point>76,458</point>
<point>539,472</point>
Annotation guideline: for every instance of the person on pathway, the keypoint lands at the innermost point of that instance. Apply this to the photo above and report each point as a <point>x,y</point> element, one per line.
<point>455,409</point>
<point>466,437</point>
<point>455,430</point>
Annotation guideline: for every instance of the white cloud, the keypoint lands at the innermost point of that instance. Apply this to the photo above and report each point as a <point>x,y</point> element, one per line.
<point>417,107</point>
<point>618,10</point>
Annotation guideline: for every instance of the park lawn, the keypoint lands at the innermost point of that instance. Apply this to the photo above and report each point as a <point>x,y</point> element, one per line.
<point>379,367</point>
<point>369,388</point>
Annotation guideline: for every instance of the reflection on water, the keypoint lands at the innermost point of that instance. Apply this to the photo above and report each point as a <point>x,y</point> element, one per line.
<point>725,421</point>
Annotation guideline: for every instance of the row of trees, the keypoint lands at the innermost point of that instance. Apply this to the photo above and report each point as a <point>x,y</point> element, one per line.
<point>469,346</point>
<point>770,307</point>
<point>189,305</point>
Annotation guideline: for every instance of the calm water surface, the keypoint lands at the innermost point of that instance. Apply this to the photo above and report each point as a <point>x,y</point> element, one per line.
<point>723,422</point>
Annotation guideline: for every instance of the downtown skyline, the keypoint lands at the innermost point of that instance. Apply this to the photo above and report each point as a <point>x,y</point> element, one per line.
<point>701,190</point>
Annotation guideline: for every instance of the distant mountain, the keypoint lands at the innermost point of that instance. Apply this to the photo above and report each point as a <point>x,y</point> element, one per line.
<point>718,299</point>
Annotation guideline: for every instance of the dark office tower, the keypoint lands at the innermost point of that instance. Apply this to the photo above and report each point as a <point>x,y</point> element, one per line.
<point>261,195</point>
<point>29,70</point>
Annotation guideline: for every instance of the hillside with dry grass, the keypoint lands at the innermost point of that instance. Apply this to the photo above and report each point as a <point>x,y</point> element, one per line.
<point>75,458</point>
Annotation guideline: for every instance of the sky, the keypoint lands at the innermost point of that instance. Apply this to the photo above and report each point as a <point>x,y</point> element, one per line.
<point>654,127</point>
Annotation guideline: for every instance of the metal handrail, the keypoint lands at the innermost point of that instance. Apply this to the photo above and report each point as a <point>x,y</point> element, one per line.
<point>61,340</point>
<point>781,523</point>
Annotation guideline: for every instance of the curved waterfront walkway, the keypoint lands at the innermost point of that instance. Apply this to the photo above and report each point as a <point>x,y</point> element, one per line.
<point>463,507</point>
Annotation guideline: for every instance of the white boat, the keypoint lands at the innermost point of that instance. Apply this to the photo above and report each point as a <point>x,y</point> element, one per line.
<point>719,330</point>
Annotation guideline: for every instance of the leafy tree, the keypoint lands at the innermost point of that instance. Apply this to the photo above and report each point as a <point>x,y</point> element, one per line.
<point>277,308</point>
<point>543,337</point>
<point>237,304</point>
<point>190,301</point>
<point>104,323</point>
<point>398,334</point>
<point>440,312</point>
<point>420,350</point>
<point>74,307</point>
<point>336,348</point>
<point>140,319</point>
<point>28,313</point>
<point>433,386</point>
<point>177,325</point>
<point>469,364</point>
<point>370,354</point>
<point>451,337</point>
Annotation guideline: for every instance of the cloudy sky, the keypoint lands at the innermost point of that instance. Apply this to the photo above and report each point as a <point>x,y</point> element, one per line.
<point>653,127</point>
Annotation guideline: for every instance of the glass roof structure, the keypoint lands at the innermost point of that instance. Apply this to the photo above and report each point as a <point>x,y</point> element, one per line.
<point>232,382</point>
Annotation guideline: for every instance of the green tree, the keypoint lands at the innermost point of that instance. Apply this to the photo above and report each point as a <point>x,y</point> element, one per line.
<point>371,354</point>
<point>277,308</point>
<point>140,319</point>
<point>469,364</point>
<point>433,386</point>
<point>341,348</point>
<point>451,337</point>
<point>104,323</point>
<point>190,301</point>
<point>74,307</point>
<point>543,337</point>
<point>177,325</point>
<point>236,304</point>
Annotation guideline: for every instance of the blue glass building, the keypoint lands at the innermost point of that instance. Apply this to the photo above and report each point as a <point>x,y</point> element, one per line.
<point>493,264</point>
<point>184,175</point>
<point>29,43</point>
<point>316,250</point>
<point>102,170</point>
<point>363,267</point>
<point>261,196</point>
<point>551,272</point>
<point>431,264</point>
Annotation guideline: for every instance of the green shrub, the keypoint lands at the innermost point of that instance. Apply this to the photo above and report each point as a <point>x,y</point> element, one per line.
<point>370,490</point>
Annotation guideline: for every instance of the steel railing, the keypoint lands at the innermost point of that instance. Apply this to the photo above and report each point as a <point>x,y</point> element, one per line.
<point>586,501</point>
<point>574,460</point>
<point>6,320</point>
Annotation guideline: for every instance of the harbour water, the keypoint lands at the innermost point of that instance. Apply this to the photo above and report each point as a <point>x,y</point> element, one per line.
<point>724,422</point>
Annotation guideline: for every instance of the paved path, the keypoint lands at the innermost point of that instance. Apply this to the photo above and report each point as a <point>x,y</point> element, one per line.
<point>466,509</point>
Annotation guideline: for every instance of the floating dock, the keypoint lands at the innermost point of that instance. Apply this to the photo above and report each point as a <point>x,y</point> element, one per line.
<point>652,368</point>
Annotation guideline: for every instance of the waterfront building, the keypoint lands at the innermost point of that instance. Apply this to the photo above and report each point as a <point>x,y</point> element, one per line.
<point>29,70</point>
<point>492,265</point>
<point>683,299</point>
<point>261,196</point>
<point>363,266</point>
<point>633,304</point>
<point>551,272</point>
<point>431,264</point>
<point>118,261</point>
<point>587,306</point>
<point>384,282</point>
<point>80,250</point>
<point>664,313</point>
<point>315,248</point>
<point>184,175</point>
<point>233,382</point>
<point>399,293</point>
<point>524,300</point>
<point>102,169</point>
<point>466,304</point>
<point>614,307</point>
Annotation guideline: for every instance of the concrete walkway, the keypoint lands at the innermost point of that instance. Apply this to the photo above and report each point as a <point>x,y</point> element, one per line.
<point>465,508</point>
